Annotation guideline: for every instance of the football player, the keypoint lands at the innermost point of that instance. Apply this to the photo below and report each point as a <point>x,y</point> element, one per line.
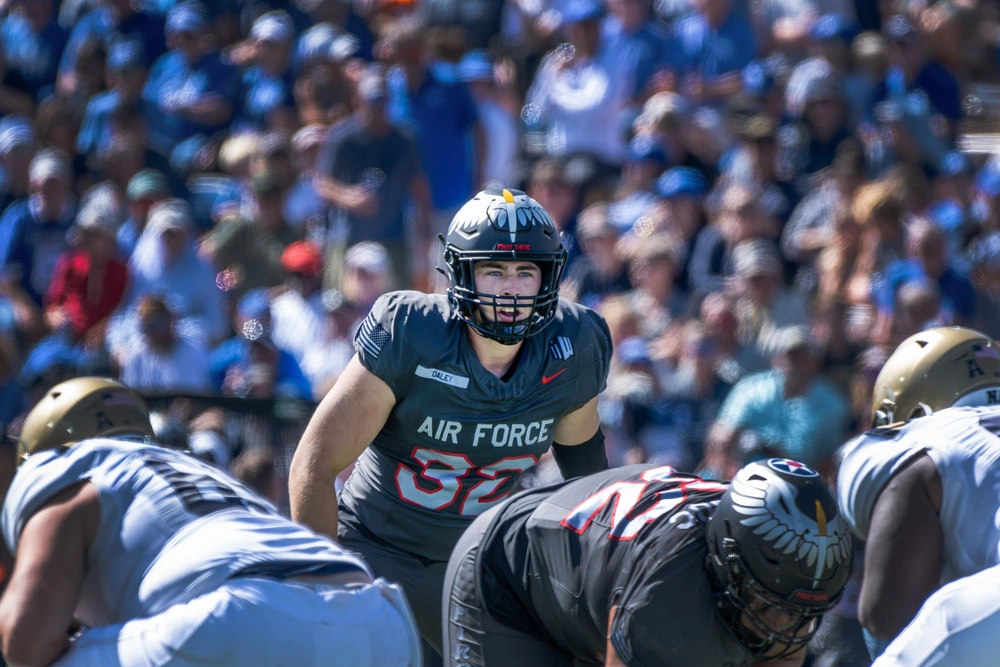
<point>643,565</point>
<point>167,560</point>
<point>923,489</point>
<point>450,398</point>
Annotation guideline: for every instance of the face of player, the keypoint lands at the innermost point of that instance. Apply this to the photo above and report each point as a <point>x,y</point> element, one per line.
<point>507,279</point>
<point>776,619</point>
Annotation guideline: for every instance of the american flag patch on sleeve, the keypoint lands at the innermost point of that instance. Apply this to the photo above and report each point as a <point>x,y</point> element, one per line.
<point>986,352</point>
<point>371,337</point>
<point>118,399</point>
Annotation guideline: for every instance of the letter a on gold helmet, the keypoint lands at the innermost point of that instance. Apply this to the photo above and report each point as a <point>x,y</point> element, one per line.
<point>937,369</point>
<point>81,408</point>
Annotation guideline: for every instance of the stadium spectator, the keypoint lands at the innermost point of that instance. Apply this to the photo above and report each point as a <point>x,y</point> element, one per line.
<point>191,88</point>
<point>251,247</point>
<point>166,263</point>
<point>158,359</point>
<point>251,364</point>
<point>789,411</point>
<point>580,87</point>
<point>367,274</point>
<point>442,116</point>
<point>32,43</point>
<point>145,190</point>
<point>297,313</point>
<point>600,272</point>
<point>89,280</point>
<point>370,167</point>
<point>33,230</point>
<point>17,149</point>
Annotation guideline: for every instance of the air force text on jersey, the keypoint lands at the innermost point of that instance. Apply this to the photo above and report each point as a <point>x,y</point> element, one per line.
<point>497,435</point>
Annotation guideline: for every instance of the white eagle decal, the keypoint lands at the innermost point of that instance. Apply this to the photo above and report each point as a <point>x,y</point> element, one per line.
<point>769,506</point>
<point>501,209</point>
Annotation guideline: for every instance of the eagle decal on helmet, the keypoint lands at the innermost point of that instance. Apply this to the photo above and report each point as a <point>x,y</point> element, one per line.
<point>501,209</point>
<point>817,535</point>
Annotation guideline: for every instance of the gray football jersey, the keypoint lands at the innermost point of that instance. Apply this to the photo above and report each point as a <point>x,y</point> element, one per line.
<point>459,438</point>
<point>172,527</point>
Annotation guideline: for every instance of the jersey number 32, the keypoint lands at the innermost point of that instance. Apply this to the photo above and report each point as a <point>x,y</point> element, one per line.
<point>454,478</point>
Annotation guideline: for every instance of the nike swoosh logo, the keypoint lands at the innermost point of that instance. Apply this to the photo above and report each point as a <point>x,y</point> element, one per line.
<point>546,380</point>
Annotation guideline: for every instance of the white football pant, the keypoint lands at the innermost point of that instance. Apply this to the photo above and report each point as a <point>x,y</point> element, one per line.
<point>258,622</point>
<point>958,626</point>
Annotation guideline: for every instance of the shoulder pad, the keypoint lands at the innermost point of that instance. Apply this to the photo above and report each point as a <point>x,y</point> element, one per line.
<point>401,320</point>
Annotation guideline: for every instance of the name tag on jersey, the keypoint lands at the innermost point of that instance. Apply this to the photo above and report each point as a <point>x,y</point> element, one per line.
<point>441,376</point>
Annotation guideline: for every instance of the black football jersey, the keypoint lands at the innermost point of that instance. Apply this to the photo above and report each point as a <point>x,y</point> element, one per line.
<point>556,559</point>
<point>459,438</point>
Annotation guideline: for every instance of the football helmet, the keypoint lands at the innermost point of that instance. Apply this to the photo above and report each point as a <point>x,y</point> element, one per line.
<point>936,369</point>
<point>82,408</point>
<point>780,553</point>
<point>503,225</point>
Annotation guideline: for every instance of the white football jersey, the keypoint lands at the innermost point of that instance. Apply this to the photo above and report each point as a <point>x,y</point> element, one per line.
<point>964,444</point>
<point>172,527</point>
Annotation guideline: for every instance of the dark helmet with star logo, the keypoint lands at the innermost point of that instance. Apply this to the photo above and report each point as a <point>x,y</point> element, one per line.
<point>780,553</point>
<point>82,408</point>
<point>503,225</point>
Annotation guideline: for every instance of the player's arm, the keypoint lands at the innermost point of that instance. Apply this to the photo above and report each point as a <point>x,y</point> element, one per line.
<point>37,608</point>
<point>903,552</point>
<point>344,424</point>
<point>578,442</point>
<point>611,658</point>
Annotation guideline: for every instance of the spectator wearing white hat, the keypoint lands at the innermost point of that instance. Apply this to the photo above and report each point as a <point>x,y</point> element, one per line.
<point>268,83</point>
<point>165,263</point>
<point>367,274</point>
<point>33,230</point>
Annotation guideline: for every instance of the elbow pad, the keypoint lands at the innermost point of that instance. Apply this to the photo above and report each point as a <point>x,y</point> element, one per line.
<point>583,459</point>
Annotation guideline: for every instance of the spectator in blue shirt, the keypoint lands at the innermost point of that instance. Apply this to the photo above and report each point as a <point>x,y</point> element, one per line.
<point>789,411</point>
<point>249,363</point>
<point>928,260</point>
<point>33,230</point>
<point>126,76</point>
<point>712,45</point>
<point>914,71</point>
<point>190,86</point>
<point>642,43</point>
<point>443,117</point>
<point>267,84</point>
<point>32,43</point>
<point>113,21</point>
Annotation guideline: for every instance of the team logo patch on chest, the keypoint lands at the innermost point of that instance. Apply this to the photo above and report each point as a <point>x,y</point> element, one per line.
<point>561,348</point>
<point>442,376</point>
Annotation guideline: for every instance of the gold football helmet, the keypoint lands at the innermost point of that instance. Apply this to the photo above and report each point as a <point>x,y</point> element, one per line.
<point>937,369</point>
<point>81,408</point>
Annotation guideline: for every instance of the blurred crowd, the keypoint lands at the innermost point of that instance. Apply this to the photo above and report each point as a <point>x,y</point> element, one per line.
<point>761,197</point>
